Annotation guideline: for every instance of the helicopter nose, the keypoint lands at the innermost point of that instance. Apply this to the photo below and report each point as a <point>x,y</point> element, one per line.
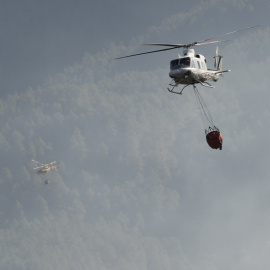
<point>177,73</point>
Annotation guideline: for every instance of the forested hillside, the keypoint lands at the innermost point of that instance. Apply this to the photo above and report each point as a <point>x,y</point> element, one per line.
<point>138,186</point>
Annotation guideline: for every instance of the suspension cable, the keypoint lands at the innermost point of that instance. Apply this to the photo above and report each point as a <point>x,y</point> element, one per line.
<point>202,106</point>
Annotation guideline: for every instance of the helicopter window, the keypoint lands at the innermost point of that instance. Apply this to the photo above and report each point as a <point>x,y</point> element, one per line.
<point>203,65</point>
<point>185,61</point>
<point>174,63</point>
<point>199,66</point>
<point>182,62</point>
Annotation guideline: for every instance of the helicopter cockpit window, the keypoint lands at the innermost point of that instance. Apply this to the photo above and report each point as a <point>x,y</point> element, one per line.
<point>182,62</point>
<point>185,62</point>
<point>174,64</point>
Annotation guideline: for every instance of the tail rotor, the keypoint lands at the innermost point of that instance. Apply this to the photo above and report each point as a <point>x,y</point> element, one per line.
<point>218,60</point>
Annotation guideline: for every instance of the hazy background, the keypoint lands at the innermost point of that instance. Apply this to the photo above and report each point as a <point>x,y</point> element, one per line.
<point>138,186</point>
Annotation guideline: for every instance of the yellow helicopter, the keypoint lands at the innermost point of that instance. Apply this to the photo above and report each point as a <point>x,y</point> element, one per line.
<point>44,168</point>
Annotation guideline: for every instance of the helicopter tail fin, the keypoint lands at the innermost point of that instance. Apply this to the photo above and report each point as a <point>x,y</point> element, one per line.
<point>218,60</point>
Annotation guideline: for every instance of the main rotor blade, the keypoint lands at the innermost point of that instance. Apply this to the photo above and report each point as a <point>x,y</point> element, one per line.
<point>51,163</point>
<point>229,33</point>
<point>146,52</point>
<point>38,162</point>
<point>216,41</point>
<point>38,167</point>
<point>166,44</point>
<point>176,46</point>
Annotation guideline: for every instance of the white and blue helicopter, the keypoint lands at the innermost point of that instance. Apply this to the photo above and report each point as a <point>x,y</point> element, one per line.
<point>191,68</point>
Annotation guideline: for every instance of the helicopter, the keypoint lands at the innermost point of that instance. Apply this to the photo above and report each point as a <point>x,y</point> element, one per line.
<point>44,168</point>
<point>191,69</point>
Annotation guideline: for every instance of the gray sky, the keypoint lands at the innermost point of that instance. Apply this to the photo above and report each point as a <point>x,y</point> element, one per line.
<point>138,186</point>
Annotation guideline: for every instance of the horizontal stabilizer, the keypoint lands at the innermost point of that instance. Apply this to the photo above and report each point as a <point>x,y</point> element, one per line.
<point>223,71</point>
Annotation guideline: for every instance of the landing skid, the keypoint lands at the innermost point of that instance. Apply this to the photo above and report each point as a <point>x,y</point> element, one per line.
<point>206,84</point>
<point>175,85</point>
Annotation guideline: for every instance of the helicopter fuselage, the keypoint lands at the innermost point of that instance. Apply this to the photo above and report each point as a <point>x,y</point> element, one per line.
<point>43,170</point>
<point>191,69</point>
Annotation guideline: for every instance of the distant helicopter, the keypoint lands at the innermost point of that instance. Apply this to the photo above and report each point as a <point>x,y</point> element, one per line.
<point>191,69</point>
<point>44,168</point>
